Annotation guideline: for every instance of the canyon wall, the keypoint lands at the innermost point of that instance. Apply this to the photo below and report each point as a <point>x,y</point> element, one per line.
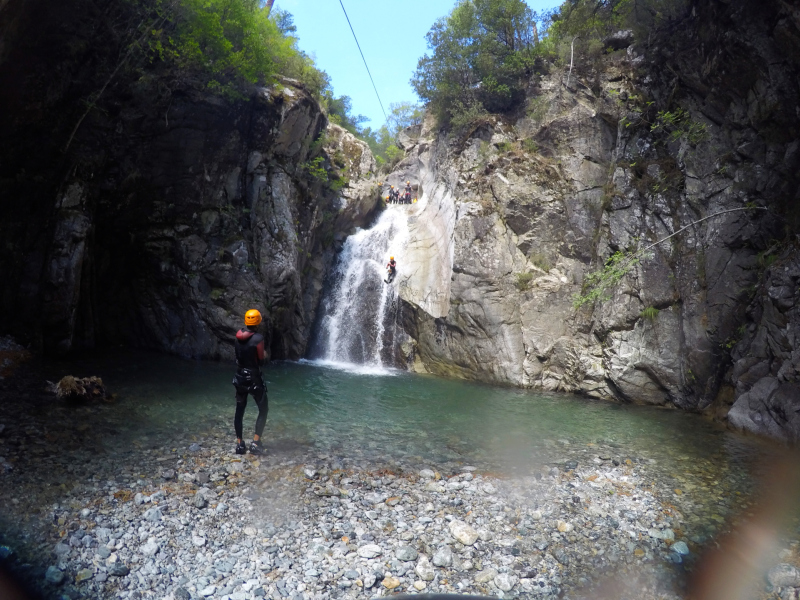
<point>648,141</point>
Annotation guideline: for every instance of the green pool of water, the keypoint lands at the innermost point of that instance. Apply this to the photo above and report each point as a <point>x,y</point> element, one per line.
<point>402,414</point>
<point>378,415</point>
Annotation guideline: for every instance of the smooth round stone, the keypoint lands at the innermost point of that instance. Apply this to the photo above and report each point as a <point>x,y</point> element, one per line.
<point>151,548</point>
<point>370,551</point>
<point>427,474</point>
<point>463,532</point>
<point>406,553</point>
<point>103,552</point>
<point>118,570</point>
<point>505,582</point>
<point>198,541</point>
<point>54,575</point>
<point>680,548</point>
<point>369,580</point>
<point>152,514</point>
<point>485,576</point>
<point>420,585</point>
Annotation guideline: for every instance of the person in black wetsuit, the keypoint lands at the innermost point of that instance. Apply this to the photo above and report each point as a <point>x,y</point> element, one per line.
<point>407,194</point>
<point>248,380</point>
<point>391,269</point>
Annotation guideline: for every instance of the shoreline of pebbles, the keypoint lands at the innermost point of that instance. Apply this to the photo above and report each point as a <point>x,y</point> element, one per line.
<point>219,526</point>
<point>87,515</point>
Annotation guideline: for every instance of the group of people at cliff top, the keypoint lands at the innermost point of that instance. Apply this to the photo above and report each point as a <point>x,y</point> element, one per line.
<point>395,197</point>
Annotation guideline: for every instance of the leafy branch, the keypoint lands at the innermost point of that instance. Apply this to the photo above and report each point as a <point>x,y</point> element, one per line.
<point>597,285</point>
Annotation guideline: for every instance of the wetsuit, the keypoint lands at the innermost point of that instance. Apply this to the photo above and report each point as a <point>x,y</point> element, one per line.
<point>248,380</point>
<point>407,198</point>
<point>392,265</point>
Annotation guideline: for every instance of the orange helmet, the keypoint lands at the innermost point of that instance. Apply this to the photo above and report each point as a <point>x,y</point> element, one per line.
<point>407,182</point>
<point>391,258</point>
<point>252,317</point>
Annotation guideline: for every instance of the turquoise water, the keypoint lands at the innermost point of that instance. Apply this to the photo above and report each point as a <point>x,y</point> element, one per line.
<point>371,416</point>
<point>398,414</point>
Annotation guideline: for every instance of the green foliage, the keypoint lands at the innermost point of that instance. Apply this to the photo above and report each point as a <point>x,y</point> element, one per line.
<point>505,146</point>
<point>679,125</point>
<point>597,285</point>
<point>403,115</point>
<point>523,281</point>
<point>482,54</point>
<point>590,21</point>
<point>382,141</point>
<point>650,313</point>
<point>315,168</point>
<point>464,116</point>
<point>338,110</point>
<point>541,261</point>
<point>226,44</point>
<point>537,108</point>
<point>530,145</point>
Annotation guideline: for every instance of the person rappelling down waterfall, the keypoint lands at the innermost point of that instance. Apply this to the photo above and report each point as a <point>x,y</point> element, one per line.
<point>391,269</point>
<point>248,380</point>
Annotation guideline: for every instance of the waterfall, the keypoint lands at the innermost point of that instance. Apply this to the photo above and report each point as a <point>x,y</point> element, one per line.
<point>357,324</point>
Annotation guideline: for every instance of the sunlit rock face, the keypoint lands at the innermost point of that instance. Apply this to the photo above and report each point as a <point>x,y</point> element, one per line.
<point>514,213</point>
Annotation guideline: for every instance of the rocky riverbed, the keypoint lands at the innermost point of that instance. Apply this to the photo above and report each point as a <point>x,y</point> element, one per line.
<point>92,512</point>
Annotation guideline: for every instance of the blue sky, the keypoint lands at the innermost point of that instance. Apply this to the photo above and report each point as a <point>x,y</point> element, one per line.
<point>391,34</point>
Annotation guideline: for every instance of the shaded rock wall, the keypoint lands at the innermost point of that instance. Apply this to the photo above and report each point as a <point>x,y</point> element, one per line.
<point>531,203</point>
<point>173,210</point>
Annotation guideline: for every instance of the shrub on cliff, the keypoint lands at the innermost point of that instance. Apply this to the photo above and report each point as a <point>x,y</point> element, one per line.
<point>228,43</point>
<point>482,54</point>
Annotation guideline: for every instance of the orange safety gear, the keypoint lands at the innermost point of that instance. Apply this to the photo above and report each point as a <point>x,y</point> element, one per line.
<point>252,317</point>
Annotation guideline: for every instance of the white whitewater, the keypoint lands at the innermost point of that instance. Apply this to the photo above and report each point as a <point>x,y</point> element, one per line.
<point>359,310</point>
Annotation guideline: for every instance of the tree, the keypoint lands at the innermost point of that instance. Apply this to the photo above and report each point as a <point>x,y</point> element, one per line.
<point>482,54</point>
<point>402,115</point>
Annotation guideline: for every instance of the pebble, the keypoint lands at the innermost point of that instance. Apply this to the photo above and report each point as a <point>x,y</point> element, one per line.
<point>370,551</point>
<point>485,576</point>
<point>369,580</point>
<point>83,575</point>
<point>463,532</point>
<point>151,548</point>
<point>54,575</point>
<point>784,575</point>
<point>406,553</point>
<point>680,548</point>
<point>424,569</point>
<point>309,524</point>
<point>505,582</point>
<point>443,557</point>
<point>118,570</point>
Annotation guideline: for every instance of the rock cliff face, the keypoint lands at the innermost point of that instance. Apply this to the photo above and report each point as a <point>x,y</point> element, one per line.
<point>170,214</point>
<point>516,212</point>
